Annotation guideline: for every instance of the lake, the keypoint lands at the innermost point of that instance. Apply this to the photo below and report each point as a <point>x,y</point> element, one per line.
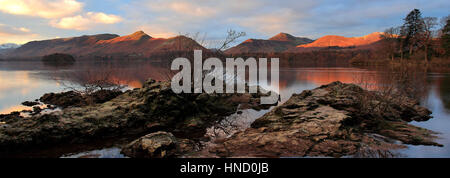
<point>27,81</point>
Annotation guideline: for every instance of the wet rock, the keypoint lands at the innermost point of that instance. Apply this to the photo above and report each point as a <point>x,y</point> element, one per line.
<point>30,103</point>
<point>331,120</point>
<point>157,145</point>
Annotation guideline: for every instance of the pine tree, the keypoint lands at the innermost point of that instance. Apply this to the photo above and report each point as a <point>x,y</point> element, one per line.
<point>412,28</point>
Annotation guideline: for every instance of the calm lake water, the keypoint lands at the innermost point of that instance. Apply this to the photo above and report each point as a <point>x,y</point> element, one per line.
<point>27,81</point>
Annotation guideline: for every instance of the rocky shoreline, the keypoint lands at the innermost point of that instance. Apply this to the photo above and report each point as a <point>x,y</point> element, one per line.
<point>326,121</point>
<point>153,107</point>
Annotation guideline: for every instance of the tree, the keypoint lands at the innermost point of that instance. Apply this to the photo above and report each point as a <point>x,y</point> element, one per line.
<point>445,37</point>
<point>402,41</point>
<point>412,28</point>
<point>427,36</point>
<point>390,41</point>
<point>232,36</point>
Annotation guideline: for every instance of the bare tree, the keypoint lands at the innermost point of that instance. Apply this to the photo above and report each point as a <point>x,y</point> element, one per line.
<point>398,84</point>
<point>232,36</point>
<point>390,39</point>
<point>89,80</point>
<point>429,23</point>
<point>402,39</point>
<point>443,21</point>
<point>198,37</point>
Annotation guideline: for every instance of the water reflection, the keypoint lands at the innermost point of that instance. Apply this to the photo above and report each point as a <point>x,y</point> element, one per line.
<point>440,123</point>
<point>443,90</point>
<point>23,81</point>
<point>19,86</point>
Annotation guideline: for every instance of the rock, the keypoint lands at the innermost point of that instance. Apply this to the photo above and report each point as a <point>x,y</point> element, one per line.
<point>13,116</point>
<point>64,99</point>
<point>102,96</point>
<point>30,103</point>
<point>75,99</point>
<point>154,145</point>
<point>154,107</point>
<point>330,121</point>
<point>158,145</point>
<point>36,110</point>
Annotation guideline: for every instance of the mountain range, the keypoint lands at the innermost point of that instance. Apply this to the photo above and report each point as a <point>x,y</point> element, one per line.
<point>139,44</point>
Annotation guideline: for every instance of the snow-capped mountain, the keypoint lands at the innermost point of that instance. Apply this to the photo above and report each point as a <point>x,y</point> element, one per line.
<point>9,46</point>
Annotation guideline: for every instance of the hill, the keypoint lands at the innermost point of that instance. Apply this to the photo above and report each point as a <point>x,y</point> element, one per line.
<point>341,41</point>
<point>137,44</point>
<point>278,43</point>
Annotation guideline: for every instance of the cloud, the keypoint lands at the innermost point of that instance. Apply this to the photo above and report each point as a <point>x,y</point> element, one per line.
<point>10,34</point>
<point>10,30</point>
<point>86,21</point>
<point>41,8</point>
<point>256,17</point>
<point>185,8</point>
<point>264,18</point>
<point>284,20</point>
<point>156,31</point>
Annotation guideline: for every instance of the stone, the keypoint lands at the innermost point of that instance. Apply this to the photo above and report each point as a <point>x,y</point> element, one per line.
<point>331,120</point>
<point>154,145</point>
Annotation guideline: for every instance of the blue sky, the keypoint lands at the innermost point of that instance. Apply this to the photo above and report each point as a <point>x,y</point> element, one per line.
<point>25,20</point>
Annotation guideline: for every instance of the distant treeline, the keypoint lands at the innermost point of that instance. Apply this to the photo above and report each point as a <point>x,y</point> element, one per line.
<point>420,39</point>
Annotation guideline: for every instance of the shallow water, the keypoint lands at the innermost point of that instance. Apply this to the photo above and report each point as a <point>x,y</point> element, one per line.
<point>27,81</point>
<point>113,152</point>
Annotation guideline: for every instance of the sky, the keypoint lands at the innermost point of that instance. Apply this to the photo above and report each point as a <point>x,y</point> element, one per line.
<point>26,20</point>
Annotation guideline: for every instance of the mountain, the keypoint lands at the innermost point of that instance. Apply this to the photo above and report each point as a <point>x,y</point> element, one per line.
<point>340,41</point>
<point>110,45</point>
<point>278,43</point>
<point>289,38</point>
<point>9,46</point>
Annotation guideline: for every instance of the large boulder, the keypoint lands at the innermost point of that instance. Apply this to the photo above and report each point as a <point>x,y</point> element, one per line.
<point>333,120</point>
